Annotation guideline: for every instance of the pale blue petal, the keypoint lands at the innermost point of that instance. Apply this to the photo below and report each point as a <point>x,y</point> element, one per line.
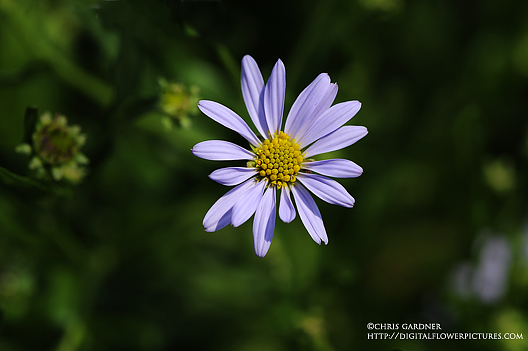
<point>247,204</point>
<point>219,150</point>
<point>305,104</point>
<point>253,93</point>
<point>326,189</point>
<point>274,97</point>
<point>264,223</point>
<point>232,175</point>
<point>326,102</point>
<point>341,138</point>
<point>229,119</point>
<point>219,215</point>
<point>329,121</point>
<point>286,208</point>
<point>309,213</point>
<point>338,168</point>
<point>323,105</point>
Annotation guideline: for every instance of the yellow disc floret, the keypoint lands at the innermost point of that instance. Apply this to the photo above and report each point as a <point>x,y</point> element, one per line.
<point>279,160</point>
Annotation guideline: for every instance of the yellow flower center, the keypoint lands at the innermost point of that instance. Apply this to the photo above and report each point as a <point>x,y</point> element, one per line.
<point>279,160</point>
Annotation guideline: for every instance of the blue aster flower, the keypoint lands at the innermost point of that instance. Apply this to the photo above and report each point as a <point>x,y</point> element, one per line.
<point>280,160</point>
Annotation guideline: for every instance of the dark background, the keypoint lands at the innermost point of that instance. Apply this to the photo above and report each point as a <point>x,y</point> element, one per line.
<point>438,233</point>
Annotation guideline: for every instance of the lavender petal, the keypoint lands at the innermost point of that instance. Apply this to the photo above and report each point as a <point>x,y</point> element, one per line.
<point>229,119</point>
<point>274,97</point>
<point>247,204</point>
<point>219,150</point>
<point>219,215</point>
<point>253,93</point>
<point>341,138</point>
<point>323,105</point>
<point>309,213</point>
<point>305,104</point>
<point>286,208</point>
<point>264,223</point>
<point>330,120</point>
<point>338,168</point>
<point>232,175</point>
<point>326,189</point>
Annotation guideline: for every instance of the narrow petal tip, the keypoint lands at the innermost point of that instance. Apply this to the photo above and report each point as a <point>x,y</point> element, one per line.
<point>264,223</point>
<point>287,211</point>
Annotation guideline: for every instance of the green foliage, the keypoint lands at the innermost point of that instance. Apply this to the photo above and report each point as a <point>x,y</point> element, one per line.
<point>120,261</point>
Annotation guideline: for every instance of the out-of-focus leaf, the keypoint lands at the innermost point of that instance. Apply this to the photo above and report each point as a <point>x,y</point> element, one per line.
<point>30,121</point>
<point>138,107</point>
<point>11,179</point>
<point>30,185</point>
<point>23,75</point>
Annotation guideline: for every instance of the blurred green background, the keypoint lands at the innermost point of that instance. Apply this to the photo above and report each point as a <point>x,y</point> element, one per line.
<point>439,232</point>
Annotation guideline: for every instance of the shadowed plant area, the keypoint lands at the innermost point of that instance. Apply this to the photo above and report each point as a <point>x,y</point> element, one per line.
<point>102,202</point>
